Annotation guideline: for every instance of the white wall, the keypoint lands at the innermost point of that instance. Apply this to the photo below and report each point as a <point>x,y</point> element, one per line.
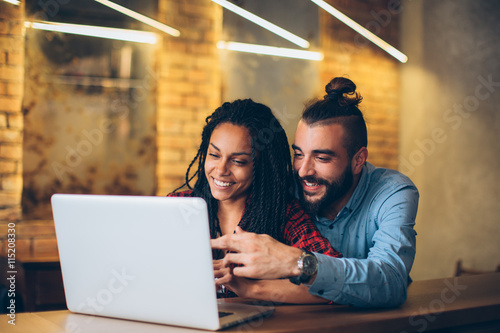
<point>450,131</point>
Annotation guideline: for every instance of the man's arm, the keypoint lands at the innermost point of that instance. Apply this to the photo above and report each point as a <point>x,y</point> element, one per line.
<point>381,279</point>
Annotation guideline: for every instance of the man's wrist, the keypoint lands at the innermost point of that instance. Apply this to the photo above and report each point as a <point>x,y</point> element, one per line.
<point>294,270</point>
<point>311,280</point>
<point>307,266</point>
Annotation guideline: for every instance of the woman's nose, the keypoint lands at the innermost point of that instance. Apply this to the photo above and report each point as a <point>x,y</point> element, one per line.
<point>222,167</point>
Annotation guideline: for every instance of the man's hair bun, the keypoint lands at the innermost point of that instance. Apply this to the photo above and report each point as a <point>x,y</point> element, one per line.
<point>343,91</point>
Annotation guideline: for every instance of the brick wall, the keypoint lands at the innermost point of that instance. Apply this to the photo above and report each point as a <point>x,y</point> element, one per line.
<point>33,238</point>
<point>189,88</point>
<point>375,72</point>
<point>189,85</point>
<point>11,118</point>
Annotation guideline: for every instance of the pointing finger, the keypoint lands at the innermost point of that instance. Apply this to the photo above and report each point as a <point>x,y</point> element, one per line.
<point>227,242</point>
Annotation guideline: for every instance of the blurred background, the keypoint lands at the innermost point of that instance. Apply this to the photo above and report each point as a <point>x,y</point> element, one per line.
<point>83,114</point>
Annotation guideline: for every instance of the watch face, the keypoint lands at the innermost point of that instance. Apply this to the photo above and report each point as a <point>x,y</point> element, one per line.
<point>310,264</point>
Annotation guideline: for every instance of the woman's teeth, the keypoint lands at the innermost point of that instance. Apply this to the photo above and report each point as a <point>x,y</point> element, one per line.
<point>221,183</point>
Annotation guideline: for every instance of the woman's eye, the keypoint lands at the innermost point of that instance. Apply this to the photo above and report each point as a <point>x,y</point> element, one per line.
<point>238,162</point>
<point>213,155</point>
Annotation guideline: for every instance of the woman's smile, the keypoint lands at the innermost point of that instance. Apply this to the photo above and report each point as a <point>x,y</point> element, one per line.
<point>221,183</point>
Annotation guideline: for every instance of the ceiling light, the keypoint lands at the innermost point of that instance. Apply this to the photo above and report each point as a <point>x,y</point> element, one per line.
<point>263,23</point>
<point>140,17</point>
<point>363,31</point>
<point>95,31</point>
<point>14,2</point>
<point>270,50</point>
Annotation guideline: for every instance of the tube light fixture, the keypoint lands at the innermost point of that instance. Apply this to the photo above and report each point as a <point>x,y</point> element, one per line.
<point>270,50</point>
<point>263,23</point>
<point>144,19</point>
<point>14,2</point>
<point>363,31</point>
<point>96,31</point>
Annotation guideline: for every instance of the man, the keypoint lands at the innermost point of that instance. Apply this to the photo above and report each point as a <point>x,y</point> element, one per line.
<point>366,213</point>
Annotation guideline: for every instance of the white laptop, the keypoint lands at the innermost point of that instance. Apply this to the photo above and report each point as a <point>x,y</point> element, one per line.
<point>142,258</point>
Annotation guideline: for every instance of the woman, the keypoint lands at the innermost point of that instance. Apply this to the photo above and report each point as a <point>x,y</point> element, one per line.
<point>245,175</point>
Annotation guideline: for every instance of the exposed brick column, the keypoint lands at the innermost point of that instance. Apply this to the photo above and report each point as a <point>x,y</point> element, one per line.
<point>189,85</point>
<point>33,238</point>
<point>375,72</point>
<point>11,118</point>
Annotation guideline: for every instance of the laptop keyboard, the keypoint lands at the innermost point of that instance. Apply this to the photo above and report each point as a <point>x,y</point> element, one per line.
<point>223,314</point>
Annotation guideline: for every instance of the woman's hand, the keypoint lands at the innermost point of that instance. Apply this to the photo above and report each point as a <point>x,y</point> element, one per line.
<point>222,273</point>
<point>238,285</point>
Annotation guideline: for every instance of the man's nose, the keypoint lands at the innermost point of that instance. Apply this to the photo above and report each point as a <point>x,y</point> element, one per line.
<point>306,168</point>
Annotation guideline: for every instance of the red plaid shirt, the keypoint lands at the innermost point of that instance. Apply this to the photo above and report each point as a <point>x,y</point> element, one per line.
<point>300,230</point>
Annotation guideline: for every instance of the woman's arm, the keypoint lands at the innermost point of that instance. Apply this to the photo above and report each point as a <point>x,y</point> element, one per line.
<point>280,291</point>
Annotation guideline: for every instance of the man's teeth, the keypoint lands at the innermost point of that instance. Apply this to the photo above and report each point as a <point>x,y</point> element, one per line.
<point>221,183</point>
<point>311,184</point>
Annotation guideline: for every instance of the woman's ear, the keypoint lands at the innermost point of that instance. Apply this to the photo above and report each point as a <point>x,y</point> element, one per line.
<point>358,160</point>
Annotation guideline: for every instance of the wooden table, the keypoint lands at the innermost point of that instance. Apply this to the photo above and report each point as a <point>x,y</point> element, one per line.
<point>463,304</point>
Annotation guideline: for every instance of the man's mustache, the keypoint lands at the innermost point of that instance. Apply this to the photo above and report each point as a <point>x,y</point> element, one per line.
<point>312,179</point>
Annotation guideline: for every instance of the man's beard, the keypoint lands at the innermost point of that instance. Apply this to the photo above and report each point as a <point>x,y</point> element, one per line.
<point>334,190</point>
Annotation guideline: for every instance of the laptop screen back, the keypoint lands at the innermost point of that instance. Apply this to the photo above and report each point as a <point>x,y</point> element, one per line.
<point>137,257</point>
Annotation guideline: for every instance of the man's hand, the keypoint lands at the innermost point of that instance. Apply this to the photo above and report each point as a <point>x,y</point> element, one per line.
<point>258,256</point>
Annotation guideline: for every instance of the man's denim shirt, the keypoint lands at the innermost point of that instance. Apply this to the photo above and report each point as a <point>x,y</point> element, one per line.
<point>374,231</point>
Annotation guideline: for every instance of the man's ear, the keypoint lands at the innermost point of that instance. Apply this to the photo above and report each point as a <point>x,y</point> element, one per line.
<point>359,160</point>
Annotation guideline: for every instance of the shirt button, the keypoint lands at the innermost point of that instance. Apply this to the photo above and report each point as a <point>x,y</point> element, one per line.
<point>321,291</point>
<point>330,226</point>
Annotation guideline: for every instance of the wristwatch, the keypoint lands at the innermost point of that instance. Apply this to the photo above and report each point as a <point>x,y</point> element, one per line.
<point>308,266</point>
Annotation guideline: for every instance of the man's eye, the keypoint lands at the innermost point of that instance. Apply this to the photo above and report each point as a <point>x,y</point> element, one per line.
<point>297,155</point>
<point>323,159</point>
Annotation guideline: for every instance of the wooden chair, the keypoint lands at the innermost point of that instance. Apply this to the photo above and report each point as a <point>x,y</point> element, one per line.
<point>461,270</point>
